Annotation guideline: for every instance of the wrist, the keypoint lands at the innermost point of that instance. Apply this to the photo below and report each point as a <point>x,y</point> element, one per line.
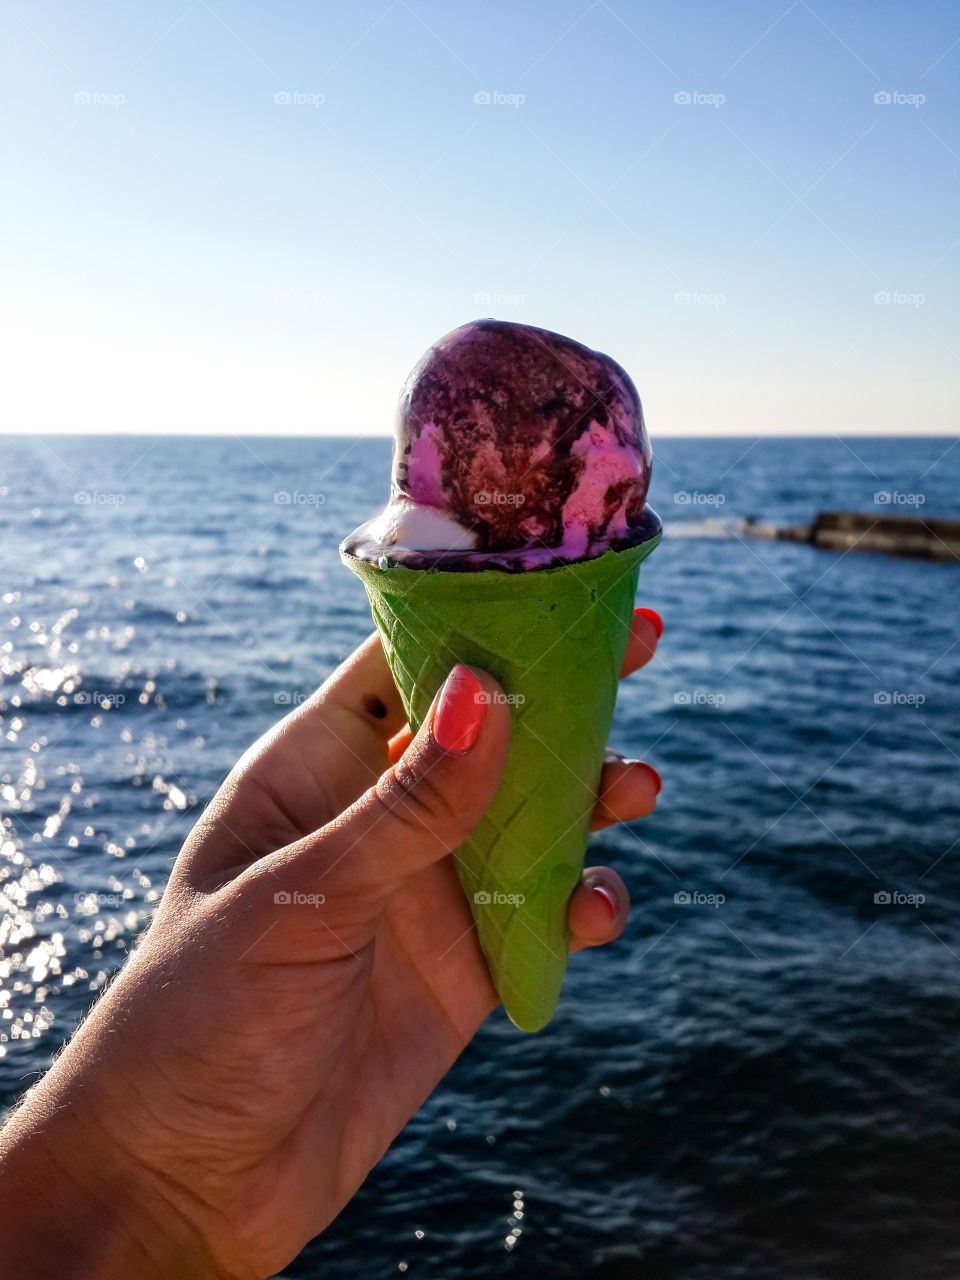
<point>73,1204</point>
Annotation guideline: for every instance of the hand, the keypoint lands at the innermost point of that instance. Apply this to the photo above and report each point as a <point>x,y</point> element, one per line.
<point>256,1056</point>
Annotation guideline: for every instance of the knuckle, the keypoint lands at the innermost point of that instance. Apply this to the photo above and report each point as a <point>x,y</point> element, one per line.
<point>416,800</point>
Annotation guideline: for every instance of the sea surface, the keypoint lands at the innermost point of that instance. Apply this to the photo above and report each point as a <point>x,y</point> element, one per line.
<point>762,1077</point>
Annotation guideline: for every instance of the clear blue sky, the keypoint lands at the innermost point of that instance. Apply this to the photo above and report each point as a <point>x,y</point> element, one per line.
<point>183,253</point>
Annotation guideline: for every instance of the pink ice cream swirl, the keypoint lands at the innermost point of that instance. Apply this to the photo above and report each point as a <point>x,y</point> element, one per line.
<point>515,448</point>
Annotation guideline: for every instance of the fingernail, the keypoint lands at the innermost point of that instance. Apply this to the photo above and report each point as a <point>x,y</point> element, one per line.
<point>607,897</point>
<point>460,710</point>
<point>651,615</point>
<point>657,780</point>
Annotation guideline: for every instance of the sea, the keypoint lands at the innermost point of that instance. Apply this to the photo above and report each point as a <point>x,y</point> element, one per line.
<point>761,1078</point>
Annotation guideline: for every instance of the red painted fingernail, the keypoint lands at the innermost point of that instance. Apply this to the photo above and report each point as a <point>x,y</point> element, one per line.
<point>651,615</point>
<point>460,710</point>
<point>607,898</point>
<point>657,780</point>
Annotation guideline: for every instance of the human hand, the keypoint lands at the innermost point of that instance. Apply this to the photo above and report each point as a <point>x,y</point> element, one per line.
<point>256,1056</point>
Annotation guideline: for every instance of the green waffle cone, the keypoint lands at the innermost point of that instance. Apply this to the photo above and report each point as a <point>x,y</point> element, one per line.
<point>555,640</point>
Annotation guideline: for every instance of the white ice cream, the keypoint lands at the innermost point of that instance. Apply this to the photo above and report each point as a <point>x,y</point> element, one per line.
<point>410,527</point>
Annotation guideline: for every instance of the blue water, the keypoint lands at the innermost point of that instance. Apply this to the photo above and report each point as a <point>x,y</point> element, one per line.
<point>764,1088</point>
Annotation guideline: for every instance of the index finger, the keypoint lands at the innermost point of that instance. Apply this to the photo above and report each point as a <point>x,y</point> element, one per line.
<point>645,630</point>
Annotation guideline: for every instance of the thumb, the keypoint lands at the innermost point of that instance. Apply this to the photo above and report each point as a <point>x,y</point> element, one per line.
<point>427,803</point>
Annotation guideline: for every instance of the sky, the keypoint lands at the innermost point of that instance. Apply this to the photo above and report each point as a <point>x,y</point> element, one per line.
<point>252,218</point>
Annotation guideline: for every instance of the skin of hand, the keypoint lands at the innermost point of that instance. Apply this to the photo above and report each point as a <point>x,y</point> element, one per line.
<point>255,1057</point>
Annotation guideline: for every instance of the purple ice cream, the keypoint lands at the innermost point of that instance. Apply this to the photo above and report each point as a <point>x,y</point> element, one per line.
<point>514,448</point>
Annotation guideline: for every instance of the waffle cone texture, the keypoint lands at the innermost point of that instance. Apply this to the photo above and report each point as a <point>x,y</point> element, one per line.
<point>555,640</point>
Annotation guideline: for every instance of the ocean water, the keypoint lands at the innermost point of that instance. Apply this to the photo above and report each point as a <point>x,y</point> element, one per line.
<point>763,1086</point>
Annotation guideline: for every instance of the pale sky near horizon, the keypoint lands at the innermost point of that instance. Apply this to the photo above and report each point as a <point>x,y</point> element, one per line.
<point>240,217</point>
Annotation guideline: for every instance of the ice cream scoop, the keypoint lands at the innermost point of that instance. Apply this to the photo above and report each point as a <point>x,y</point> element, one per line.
<point>512,541</point>
<point>515,448</point>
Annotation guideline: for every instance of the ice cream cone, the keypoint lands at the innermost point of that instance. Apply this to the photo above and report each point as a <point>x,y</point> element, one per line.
<point>555,640</point>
